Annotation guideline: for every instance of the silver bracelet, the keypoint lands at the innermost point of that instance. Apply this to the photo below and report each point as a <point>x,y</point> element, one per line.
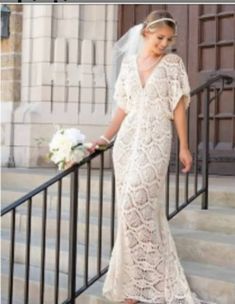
<point>106,139</point>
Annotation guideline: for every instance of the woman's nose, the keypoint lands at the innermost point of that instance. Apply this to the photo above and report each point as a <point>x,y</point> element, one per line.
<point>164,43</point>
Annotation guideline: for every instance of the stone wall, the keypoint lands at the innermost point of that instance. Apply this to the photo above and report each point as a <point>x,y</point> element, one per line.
<point>10,81</point>
<point>66,64</point>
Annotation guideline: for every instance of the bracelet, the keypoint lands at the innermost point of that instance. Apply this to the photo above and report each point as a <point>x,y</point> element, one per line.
<point>106,139</point>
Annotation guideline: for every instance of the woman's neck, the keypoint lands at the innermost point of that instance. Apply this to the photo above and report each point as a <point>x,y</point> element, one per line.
<point>148,54</point>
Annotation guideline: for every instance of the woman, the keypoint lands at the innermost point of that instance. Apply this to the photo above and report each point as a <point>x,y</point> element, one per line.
<point>151,90</point>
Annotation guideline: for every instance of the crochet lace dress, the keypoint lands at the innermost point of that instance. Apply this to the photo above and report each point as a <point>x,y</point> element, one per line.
<point>144,264</point>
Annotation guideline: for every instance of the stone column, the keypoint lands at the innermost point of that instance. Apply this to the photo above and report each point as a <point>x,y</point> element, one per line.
<point>10,83</point>
<point>36,53</point>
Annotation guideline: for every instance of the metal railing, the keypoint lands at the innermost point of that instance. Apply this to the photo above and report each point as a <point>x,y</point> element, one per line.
<point>200,157</point>
<point>28,201</point>
<point>45,189</point>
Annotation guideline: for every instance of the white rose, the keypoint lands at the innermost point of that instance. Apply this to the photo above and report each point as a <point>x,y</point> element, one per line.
<point>77,155</point>
<point>55,139</point>
<point>74,135</point>
<point>56,158</point>
<point>61,146</point>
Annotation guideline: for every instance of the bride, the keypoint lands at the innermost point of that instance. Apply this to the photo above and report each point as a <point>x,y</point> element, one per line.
<point>151,91</point>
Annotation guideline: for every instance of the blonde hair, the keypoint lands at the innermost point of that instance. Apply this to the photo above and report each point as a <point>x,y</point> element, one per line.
<point>154,16</point>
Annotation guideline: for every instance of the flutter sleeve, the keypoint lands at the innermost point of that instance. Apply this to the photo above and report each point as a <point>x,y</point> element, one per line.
<point>178,86</point>
<point>120,95</point>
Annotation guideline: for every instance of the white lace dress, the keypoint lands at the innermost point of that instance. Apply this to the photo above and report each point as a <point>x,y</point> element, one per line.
<point>144,264</point>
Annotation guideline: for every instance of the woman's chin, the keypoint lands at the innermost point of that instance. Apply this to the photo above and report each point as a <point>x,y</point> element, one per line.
<point>159,52</point>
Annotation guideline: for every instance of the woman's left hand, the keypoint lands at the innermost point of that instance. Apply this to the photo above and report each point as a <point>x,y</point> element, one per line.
<point>186,159</point>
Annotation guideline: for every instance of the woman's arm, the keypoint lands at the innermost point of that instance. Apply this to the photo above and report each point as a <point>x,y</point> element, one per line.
<point>115,124</point>
<point>111,130</point>
<point>181,127</point>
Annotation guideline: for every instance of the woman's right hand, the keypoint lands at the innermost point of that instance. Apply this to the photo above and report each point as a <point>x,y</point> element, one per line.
<point>95,143</point>
<point>69,164</point>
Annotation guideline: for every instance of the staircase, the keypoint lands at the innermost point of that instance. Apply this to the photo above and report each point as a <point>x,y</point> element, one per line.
<point>205,239</point>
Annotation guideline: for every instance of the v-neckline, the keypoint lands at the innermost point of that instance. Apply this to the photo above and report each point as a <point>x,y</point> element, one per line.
<point>150,75</point>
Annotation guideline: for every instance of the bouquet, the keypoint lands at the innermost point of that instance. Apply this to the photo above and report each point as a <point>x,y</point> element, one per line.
<point>67,145</point>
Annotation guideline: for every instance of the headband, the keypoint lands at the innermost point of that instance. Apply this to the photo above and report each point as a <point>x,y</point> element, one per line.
<point>160,20</point>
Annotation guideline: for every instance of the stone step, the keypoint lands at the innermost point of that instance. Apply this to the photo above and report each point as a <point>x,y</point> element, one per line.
<point>220,278</point>
<point>195,245</point>
<point>34,286</point>
<point>217,196</point>
<point>204,238</point>
<point>192,215</point>
<point>9,196</point>
<point>221,188</point>
<point>51,227</point>
<point>214,219</point>
<point>205,247</point>
<point>210,282</point>
<point>28,180</point>
<point>5,300</point>
<point>35,253</point>
<point>85,299</point>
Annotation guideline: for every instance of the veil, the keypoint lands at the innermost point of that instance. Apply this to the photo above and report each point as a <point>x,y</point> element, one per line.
<point>130,43</point>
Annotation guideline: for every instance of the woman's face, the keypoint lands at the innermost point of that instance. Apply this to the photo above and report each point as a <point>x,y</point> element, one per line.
<point>156,42</point>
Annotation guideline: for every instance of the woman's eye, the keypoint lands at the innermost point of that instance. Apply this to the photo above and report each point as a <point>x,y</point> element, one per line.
<point>169,39</point>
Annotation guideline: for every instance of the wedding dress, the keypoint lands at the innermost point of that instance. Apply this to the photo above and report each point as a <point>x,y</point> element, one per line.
<point>144,264</point>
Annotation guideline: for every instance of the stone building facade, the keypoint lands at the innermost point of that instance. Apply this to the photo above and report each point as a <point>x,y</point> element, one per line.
<point>56,67</point>
<point>11,50</point>
<point>56,70</point>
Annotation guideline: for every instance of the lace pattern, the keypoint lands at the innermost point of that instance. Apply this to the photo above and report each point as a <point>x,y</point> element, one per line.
<point>144,264</point>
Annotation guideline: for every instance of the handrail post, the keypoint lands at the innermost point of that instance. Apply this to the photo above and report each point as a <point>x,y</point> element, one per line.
<point>205,159</point>
<point>73,235</point>
<point>12,258</point>
<point>100,215</point>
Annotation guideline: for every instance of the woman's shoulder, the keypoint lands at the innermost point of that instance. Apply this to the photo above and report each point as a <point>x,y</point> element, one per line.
<point>173,59</point>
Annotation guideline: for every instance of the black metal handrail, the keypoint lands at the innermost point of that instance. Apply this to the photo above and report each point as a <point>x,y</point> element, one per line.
<point>203,191</point>
<point>73,172</point>
<point>27,199</point>
<point>225,79</point>
<point>53,180</point>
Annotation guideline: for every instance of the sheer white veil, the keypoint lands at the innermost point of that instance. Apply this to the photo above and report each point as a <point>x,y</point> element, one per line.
<point>130,43</point>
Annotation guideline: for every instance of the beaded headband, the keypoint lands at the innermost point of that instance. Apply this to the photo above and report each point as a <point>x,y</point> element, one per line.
<point>159,20</point>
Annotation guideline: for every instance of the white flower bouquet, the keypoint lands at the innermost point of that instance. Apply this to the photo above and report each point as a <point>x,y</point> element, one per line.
<point>67,145</point>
